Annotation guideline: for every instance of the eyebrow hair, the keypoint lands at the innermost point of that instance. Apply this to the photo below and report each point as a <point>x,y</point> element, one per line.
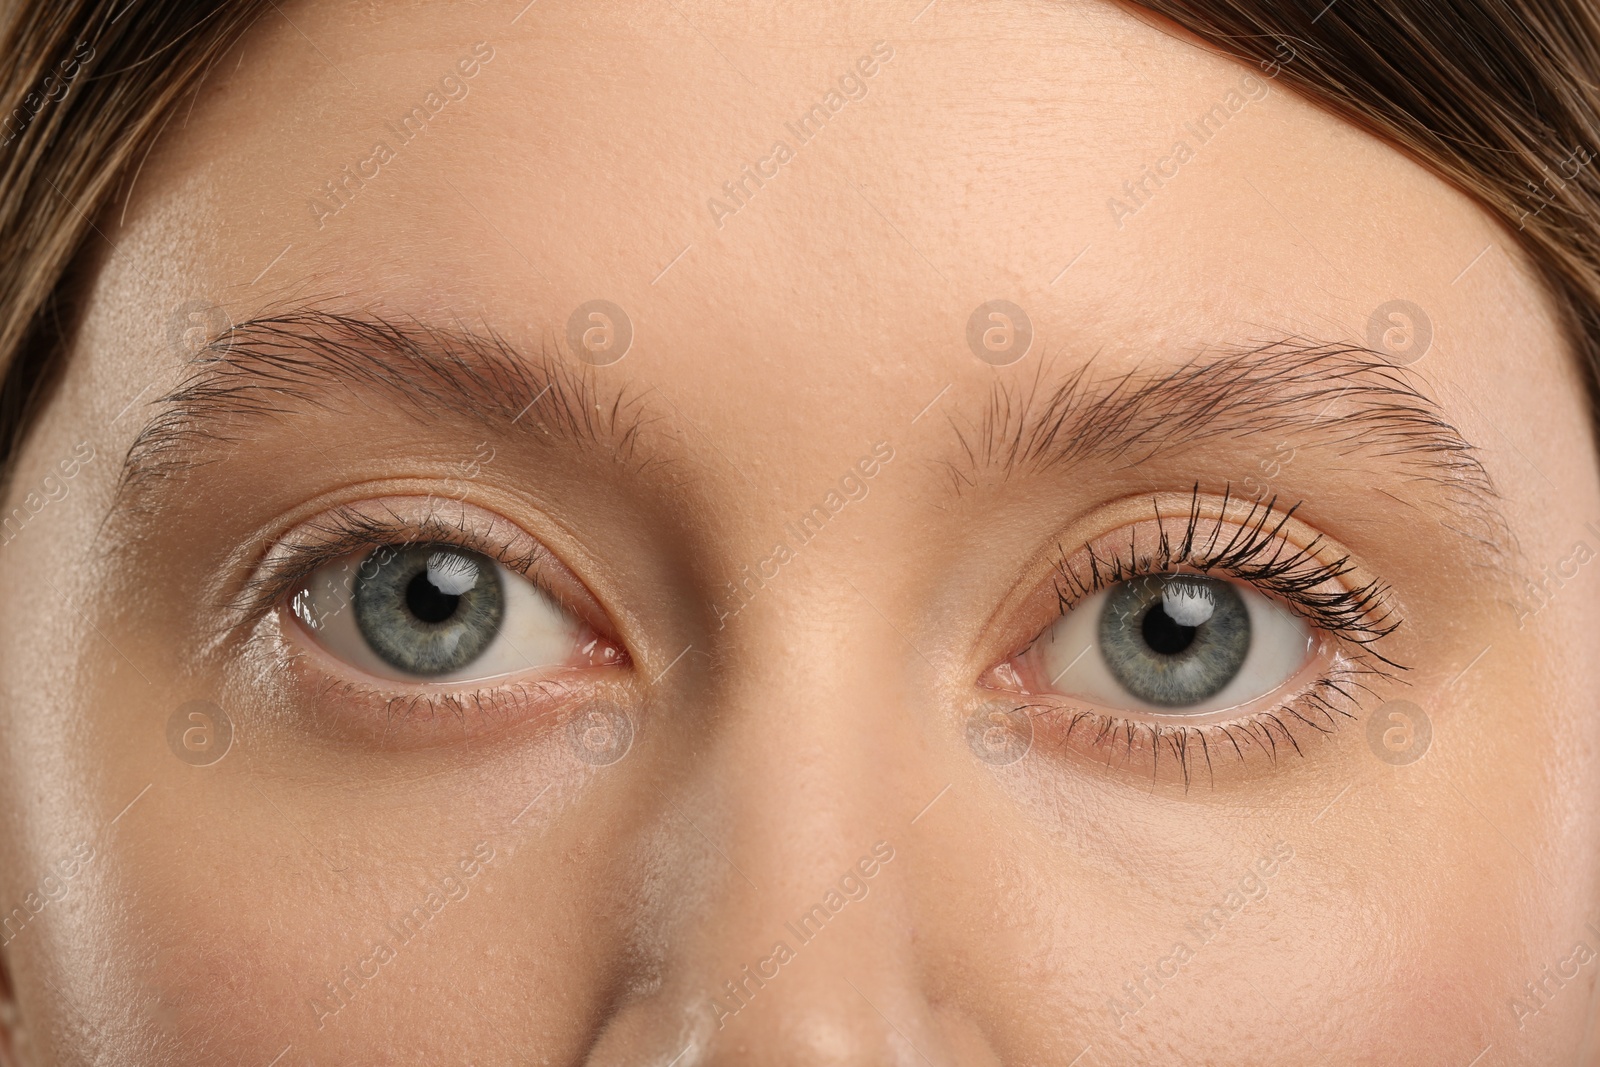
<point>283,364</point>
<point>1283,390</point>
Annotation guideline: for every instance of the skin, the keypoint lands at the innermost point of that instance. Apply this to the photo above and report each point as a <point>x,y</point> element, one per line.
<point>771,750</point>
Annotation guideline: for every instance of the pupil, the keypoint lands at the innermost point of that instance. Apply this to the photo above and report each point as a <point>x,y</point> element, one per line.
<point>426,602</point>
<point>1165,636</point>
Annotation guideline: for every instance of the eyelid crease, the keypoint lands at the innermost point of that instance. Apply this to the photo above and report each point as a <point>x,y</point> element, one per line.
<point>347,529</point>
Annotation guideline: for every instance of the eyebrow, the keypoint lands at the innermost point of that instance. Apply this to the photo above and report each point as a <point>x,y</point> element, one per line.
<point>1343,398</point>
<point>286,364</point>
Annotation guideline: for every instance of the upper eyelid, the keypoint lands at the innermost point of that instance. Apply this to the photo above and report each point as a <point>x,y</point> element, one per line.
<point>285,563</point>
<point>1362,615</point>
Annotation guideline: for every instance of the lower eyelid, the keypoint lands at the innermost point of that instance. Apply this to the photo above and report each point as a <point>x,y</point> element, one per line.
<point>1218,747</point>
<point>373,712</point>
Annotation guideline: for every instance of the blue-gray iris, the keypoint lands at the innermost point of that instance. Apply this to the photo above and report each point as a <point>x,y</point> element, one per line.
<point>428,609</point>
<point>1174,641</point>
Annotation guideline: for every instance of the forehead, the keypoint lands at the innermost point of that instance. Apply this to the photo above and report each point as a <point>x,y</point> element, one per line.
<point>796,200</point>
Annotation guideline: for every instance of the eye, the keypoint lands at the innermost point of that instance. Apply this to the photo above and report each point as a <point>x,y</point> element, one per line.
<point>436,612</point>
<point>1220,625</point>
<point>1172,644</point>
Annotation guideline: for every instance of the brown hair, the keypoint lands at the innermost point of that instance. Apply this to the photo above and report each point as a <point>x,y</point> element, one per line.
<point>86,86</point>
<point>1498,97</point>
<point>1491,94</point>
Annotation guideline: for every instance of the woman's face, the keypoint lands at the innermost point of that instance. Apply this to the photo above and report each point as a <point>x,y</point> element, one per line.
<point>907,534</point>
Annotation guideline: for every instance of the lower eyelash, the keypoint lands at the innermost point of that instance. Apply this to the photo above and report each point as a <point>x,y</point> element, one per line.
<point>474,708</point>
<point>1322,707</point>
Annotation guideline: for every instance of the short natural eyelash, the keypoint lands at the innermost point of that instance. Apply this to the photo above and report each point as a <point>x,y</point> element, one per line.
<point>1254,553</point>
<point>346,529</point>
<point>478,703</point>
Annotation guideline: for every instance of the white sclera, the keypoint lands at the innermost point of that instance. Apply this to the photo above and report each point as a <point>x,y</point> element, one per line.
<point>1072,663</point>
<point>534,632</point>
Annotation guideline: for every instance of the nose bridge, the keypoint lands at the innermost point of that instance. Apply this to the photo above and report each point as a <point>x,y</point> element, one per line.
<point>812,732</point>
<point>807,767</point>
<point>799,950</point>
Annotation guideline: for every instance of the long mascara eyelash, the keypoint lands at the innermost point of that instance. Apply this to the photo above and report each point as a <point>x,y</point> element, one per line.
<point>1254,553</point>
<point>1257,554</point>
